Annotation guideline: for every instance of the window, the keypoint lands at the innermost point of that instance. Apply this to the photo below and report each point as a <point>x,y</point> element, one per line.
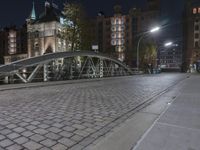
<point>113,42</point>
<point>117,21</point>
<point>196,27</point>
<point>199,10</point>
<point>194,10</point>
<point>196,44</point>
<point>36,34</point>
<point>196,36</point>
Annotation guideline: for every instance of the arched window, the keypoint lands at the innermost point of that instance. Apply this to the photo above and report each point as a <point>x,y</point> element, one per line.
<point>36,34</point>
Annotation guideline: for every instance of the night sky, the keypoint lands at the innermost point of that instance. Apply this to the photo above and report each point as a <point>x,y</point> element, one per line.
<point>14,12</point>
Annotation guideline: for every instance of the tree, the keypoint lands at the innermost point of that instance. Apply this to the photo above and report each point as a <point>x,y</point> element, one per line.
<point>148,53</point>
<point>76,26</point>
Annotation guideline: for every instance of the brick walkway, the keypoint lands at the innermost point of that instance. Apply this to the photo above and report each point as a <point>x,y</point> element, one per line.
<point>72,116</point>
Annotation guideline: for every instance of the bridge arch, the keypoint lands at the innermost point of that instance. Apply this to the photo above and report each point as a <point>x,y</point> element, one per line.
<point>98,65</point>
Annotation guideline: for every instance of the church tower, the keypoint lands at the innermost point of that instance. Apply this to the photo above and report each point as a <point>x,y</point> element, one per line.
<point>32,16</point>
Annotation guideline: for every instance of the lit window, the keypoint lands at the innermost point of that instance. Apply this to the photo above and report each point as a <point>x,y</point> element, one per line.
<point>194,10</point>
<point>199,10</point>
<point>113,42</point>
<point>113,29</point>
<point>117,35</point>
<point>117,21</point>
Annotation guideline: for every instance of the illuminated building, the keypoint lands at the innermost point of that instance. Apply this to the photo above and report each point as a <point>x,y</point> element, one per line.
<point>45,32</point>
<point>13,44</point>
<point>191,33</point>
<point>117,35</point>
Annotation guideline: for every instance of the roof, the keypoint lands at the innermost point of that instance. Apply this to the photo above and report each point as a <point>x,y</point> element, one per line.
<point>50,14</point>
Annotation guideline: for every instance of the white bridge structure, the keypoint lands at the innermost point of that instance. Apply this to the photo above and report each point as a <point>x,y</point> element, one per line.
<point>63,66</point>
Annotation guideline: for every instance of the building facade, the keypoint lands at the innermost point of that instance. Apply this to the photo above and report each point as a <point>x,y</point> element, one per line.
<point>13,44</point>
<point>191,33</point>
<point>118,35</point>
<point>45,32</point>
<point>171,58</point>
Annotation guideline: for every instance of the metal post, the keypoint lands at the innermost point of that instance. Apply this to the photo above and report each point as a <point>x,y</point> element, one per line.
<point>138,55</point>
<point>101,68</point>
<point>45,76</point>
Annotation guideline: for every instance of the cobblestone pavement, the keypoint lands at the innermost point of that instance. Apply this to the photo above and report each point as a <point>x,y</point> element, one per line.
<point>72,116</point>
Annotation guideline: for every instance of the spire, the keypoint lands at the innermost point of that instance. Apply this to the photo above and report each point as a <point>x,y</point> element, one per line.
<point>33,15</point>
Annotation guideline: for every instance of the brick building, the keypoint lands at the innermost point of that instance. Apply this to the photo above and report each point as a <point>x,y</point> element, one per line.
<point>191,33</point>
<point>13,44</point>
<point>117,35</point>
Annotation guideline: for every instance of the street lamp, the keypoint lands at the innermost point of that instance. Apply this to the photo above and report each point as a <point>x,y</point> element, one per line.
<point>168,44</point>
<point>153,30</point>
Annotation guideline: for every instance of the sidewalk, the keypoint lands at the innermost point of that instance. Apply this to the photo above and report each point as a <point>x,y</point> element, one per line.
<point>177,128</point>
<point>171,122</point>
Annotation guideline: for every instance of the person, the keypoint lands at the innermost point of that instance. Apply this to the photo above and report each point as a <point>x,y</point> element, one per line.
<point>151,68</point>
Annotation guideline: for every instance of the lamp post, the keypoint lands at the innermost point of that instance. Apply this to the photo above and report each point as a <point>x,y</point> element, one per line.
<point>153,30</point>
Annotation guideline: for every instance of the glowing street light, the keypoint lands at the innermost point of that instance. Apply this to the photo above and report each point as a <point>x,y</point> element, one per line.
<point>168,44</point>
<point>155,29</point>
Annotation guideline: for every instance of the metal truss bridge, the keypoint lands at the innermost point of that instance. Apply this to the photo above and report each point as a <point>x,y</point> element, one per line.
<point>63,66</point>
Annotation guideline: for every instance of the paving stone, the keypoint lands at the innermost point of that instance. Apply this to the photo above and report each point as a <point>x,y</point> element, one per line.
<point>45,148</point>
<point>35,123</point>
<point>4,122</point>
<point>58,125</point>
<point>77,147</point>
<point>31,127</point>
<point>11,126</point>
<point>6,143</point>
<point>27,120</point>
<point>86,141</point>
<point>40,131</point>
<point>37,137</point>
<point>76,137</point>
<point>68,128</point>
<point>19,129</point>
<point>81,133</point>
<point>13,135</point>
<point>23,124</point>
<point>31,145</point>
<point>59,147</point>
<point>78,126</point>
<point>21,140</point>
<point>54,130</point>
<point>43,126</point>
<point>2,137</point>
<point>66,134</point>
<point>53,136</point>
<point>5,131</point>
<point>48,142</point>
<point>67,142</point>
<point>27,133</point>
<point>15,147</point>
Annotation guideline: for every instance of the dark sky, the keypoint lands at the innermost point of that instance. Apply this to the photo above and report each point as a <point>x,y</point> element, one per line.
<point>16,11</point>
